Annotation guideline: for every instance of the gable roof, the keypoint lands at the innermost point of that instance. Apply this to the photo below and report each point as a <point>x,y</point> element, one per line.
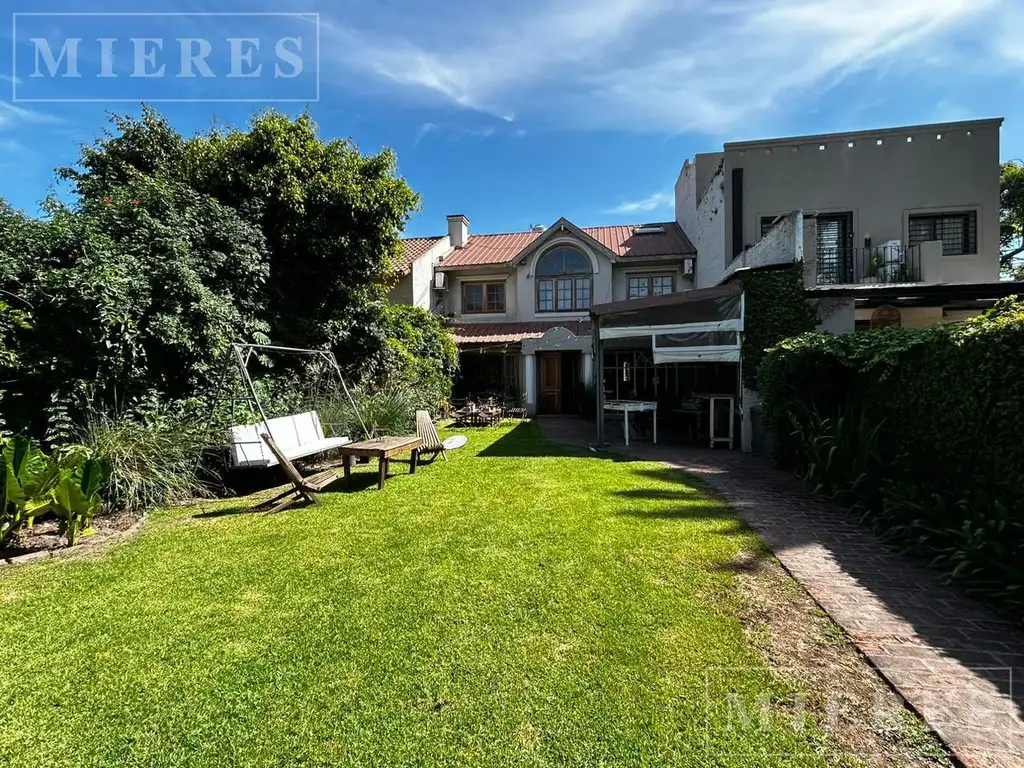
<point>412,249</point>
<point>621,241</point>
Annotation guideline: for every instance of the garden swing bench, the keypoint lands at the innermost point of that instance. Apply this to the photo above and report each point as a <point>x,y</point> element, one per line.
<point>296,436</point>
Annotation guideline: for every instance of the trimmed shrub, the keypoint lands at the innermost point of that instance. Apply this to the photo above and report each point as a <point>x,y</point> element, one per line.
<point>917,430</point>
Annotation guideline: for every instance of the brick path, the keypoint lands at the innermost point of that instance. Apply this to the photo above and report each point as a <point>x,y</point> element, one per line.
<point>956,662</point>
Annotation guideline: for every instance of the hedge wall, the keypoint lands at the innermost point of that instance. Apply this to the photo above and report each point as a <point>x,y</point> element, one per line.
<point>919,425</point>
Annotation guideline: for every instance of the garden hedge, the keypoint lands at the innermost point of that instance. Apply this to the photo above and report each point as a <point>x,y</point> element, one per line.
<point>950,398</point>
<point>929,425</point>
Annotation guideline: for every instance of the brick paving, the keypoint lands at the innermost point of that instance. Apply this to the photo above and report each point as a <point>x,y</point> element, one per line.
<point>955,661</point>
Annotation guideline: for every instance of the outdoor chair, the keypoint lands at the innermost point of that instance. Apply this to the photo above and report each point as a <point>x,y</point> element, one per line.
<point>427,432</point>
<point>303,488</point>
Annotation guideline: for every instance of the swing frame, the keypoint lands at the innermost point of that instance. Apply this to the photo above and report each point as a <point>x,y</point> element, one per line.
<point>240,356</point>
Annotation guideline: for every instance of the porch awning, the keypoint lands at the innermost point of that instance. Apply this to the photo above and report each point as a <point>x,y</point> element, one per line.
<point>512,333</point>
<point>689,326</point>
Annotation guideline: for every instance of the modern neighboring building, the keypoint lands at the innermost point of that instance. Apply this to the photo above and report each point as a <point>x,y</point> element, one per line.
<point>881,210</point>
<point>892,226</point>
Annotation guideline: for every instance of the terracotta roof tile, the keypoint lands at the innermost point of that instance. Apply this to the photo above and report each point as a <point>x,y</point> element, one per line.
<point>491,249</point>
<point>412,249</point>
<point>623,241</point>
<point>505,333</point>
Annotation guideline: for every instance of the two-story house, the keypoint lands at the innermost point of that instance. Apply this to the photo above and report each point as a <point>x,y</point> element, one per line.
<point>903,220</point>
<point>519,303</point>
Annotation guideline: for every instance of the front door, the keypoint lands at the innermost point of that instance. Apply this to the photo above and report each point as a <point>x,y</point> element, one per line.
<point>550,382</point>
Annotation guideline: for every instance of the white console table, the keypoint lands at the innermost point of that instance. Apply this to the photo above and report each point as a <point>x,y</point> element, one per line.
<point>627,407</point>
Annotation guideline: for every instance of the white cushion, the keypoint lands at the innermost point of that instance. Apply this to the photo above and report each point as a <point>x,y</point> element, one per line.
<point>297,436</point>
<point>308,449</point>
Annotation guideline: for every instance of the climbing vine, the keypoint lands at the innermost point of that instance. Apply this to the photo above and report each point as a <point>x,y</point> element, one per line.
<point>776,309</point>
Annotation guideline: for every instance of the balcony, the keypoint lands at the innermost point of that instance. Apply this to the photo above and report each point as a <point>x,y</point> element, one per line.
<point>871,265</point>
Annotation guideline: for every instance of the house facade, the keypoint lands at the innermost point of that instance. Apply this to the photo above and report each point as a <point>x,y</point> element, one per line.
<point>881,211</point>
<point>519,303</point>
<point>892,226</point>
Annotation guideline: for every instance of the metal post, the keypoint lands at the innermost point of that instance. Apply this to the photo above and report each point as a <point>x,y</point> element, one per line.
<point>250,388</point>
<point>334,361</point>
<point>599,378</point>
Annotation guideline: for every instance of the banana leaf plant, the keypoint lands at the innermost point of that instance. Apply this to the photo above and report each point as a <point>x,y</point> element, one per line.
<point>75,497</point>
<point>26,476</point>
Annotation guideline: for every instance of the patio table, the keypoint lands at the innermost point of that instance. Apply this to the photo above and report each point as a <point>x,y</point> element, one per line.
<point>382,449</point>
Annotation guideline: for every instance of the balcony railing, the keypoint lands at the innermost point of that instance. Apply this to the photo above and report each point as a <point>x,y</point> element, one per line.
<point>872,264</point>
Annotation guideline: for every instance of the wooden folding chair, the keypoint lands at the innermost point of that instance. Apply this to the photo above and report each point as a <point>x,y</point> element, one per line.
<point>427,432</point>
<point>303,488</point>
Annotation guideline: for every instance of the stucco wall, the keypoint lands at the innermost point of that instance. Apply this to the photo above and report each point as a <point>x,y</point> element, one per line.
<point>703,220</point>
<point>422,283</point>
<point>402,293</point>
<point>881,184</point>
<point>610,283</point>
<point>836,315</point>
<point>452,298</point>
<point>784,244</point>
<point>910,317</point>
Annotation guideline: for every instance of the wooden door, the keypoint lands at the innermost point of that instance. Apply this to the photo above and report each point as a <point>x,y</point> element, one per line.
<point>550,382</point>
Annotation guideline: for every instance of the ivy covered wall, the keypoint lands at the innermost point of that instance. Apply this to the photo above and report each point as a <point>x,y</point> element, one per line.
<point>776,309</point>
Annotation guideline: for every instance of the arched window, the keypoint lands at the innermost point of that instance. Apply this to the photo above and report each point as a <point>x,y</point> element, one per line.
<point>564,281</point>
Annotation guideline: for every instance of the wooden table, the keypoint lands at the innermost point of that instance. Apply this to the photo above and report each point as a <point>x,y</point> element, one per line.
<point>382,449</point>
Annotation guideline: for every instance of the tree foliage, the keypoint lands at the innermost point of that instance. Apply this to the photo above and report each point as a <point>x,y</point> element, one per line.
<point>776,308</point>
<point>175,247</point>
<point>1011,219</point>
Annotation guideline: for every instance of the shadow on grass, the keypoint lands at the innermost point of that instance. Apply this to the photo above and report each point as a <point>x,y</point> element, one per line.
<point>526,441</point>
<point>689,512</point>
<point>213,514</point>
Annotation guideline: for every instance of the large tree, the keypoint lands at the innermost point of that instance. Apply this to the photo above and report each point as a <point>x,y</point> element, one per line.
<point>1011,220</point>
<point>174,247</point>
<point>331,216</point>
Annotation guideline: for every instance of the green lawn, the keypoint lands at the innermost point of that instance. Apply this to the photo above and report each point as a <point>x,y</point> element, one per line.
<point>517,605</point>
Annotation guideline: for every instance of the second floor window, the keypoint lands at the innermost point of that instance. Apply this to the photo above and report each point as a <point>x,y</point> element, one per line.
<point>564,281</point>
<point>957,231</point>
<point>483,297</point>
<point>642,286</point>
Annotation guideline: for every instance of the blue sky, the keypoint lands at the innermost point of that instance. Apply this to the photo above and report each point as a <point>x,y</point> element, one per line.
<point>517,112</point>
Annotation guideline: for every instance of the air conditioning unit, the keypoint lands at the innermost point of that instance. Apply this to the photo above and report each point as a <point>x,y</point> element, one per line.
<point>687,266</point>
<point>440,281</point>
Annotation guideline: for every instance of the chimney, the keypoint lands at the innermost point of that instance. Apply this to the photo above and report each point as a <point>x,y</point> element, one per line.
<point>458,230</point>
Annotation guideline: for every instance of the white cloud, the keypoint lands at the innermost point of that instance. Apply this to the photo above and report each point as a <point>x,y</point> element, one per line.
<point>651,65</point>
<point>421,134</point>
<point>653,202</point>
<point>11,115</point>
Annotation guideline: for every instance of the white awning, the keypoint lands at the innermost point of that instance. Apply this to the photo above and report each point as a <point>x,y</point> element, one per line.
<point>702,326</point>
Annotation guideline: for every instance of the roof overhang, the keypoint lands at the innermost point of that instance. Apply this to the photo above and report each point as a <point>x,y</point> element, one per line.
<point>919,294</point>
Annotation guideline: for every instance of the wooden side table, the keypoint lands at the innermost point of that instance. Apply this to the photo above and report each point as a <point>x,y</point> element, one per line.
<point>382,449</point>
